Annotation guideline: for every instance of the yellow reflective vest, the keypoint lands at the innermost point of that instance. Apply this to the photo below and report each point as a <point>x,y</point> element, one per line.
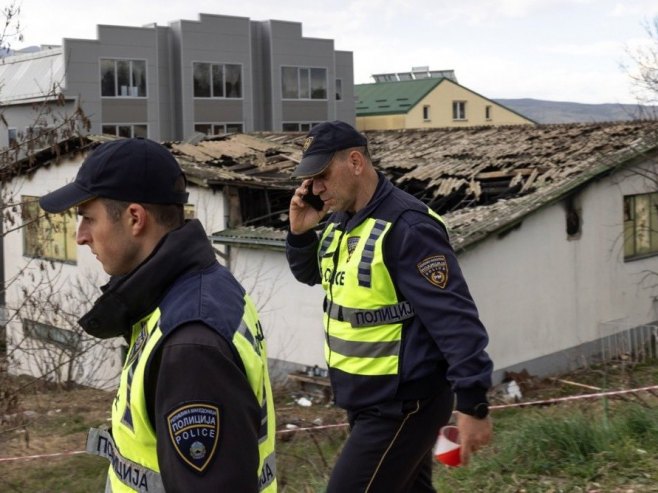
<point>364,317</point>
<point>131,446</point>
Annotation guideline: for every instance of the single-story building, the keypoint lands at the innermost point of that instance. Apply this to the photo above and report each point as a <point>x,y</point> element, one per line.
<point>555,227</point>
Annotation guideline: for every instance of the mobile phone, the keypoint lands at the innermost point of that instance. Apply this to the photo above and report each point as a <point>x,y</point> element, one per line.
<point>314,200</point>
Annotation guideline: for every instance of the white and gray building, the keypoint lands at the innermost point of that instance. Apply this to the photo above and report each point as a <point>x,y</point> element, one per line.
<point>215,75</point>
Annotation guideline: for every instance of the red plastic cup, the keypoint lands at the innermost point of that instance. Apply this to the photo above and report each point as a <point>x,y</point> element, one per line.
<point>447,449</point>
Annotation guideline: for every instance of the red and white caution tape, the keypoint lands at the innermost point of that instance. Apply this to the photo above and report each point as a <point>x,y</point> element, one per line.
<point>42,456</point>
<point>575,397</point>
<point>342,425</point>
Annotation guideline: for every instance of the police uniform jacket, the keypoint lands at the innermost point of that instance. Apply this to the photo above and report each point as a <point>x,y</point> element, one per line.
<point>192,367</point>
<point>443,343</point>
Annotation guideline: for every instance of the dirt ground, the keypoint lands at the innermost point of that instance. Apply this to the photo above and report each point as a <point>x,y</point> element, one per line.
<point>48,420</point>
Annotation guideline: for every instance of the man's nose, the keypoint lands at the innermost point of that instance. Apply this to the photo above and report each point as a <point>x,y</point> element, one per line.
<point>81,237</point>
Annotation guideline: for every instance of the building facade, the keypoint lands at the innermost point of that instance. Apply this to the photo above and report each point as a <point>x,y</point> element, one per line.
<point>426,99</point>
<point>218,74</point>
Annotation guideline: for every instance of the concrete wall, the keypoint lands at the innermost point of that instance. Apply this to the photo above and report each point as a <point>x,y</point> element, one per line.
<point>540,291</point>
<point>291,312</point>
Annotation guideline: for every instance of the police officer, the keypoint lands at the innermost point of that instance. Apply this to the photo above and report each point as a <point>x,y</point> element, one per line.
<point>402,331</point>
<point>194,409</point>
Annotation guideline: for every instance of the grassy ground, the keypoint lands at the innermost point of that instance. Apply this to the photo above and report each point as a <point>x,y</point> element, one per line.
<point>591,446</point>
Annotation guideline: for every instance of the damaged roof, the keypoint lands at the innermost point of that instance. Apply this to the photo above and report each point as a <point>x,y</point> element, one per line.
<point>482,180</point>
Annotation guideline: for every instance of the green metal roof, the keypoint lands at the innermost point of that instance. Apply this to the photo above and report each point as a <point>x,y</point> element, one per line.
<point>390,98</point>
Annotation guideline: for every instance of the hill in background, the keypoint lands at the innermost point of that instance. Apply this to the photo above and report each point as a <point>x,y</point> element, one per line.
<point>564,112</point>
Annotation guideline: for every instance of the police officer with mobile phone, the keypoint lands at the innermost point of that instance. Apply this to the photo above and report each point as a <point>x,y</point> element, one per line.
<point>403,336</point>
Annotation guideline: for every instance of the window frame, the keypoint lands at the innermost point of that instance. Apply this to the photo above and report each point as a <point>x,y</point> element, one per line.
<point>459,110</point>
<point>339,89</point>
<point>634,206</point>
<point>40,240</point>
<point>131,78</point>
<point>300,126</point>
<point>427,115</point>
<point>12,140</point>
<point>488,110</point>
<point>131,134</point>
<point>65,339</point>
<point>215,126</point>
<point>223,84</point>
<point>304,92</point>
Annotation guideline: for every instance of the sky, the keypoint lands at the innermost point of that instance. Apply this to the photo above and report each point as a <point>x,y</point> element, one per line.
<point>558,50</point>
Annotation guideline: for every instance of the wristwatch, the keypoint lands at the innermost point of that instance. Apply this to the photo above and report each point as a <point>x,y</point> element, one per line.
<point>479,411</point>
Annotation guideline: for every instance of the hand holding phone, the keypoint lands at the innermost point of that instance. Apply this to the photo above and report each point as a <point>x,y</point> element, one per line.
<point>314,200</point>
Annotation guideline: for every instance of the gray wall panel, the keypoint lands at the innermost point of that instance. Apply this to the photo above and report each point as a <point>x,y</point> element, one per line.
<point>304,111</point>
<point>208,110</point>
<point>123,111</point>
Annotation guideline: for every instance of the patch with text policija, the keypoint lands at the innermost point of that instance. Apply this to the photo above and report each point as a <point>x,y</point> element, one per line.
<point>194,433</point>
<point>435,270</point>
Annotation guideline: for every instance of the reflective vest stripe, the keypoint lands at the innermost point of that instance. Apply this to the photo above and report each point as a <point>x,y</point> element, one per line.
<point>371,318</point>
<point>362,349</point>
<point>327,241</point>
<point>243,329</point>
<point>386,365</point>
<point>133,475</point>
<point>246,333</point>
<point>262,432</point>
<point>268,473</point>
<point>368,254</point>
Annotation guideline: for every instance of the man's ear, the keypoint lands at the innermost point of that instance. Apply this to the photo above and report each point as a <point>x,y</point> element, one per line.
<point>137,218</point>
<point>357,162</point>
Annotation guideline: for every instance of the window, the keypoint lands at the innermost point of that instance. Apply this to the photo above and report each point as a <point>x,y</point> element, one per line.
<point>217,80</point>
<point>426,113</point>
<point>188,211</point>
<point>126,131</point>
<point>640,225</point>
<point>487,112</point>
<point>48,236</point>
<point>123,78</point>
<point>39,135</point>
<point>303,83</point>
<point>339,89</point>
<point>63,338</point>
<point>298,126</point>
<point>218,128</point>
<point>459,110</point>
<point>12,137</point>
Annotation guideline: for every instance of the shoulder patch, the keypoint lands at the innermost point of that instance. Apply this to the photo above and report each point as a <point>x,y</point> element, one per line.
<point>194,433</point>
<point>352,243</point>
<point>435,270</point>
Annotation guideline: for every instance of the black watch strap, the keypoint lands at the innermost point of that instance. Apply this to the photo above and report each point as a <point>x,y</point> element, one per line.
<point>479,411</point>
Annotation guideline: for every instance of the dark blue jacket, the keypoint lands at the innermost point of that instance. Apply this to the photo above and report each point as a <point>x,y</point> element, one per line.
<point>445,341</point>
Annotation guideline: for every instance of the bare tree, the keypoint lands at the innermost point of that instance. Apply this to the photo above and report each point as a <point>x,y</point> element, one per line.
<point>643,69</point>
<point>45,298</point>
<point>11,27</point>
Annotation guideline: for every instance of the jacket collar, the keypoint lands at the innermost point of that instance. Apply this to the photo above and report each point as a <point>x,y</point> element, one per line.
<point>127,299</point>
